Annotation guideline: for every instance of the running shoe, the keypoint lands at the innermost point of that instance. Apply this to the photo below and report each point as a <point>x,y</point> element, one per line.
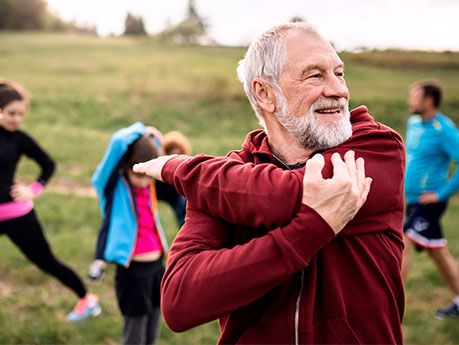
<point>96,272</point>
<point>452,311</point>
<point>86,307</point>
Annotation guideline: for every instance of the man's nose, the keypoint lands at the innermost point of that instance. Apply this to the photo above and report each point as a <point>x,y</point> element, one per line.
<point>335,87</point>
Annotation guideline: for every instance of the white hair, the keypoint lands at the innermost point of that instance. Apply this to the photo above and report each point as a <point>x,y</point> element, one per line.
<point>265,59</point>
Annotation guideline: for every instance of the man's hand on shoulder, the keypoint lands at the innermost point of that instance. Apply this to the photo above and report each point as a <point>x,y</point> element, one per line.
<point>339,198</point>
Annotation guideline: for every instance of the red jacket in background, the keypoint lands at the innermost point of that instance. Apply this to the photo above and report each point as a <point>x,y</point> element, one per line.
<point>269,267</point>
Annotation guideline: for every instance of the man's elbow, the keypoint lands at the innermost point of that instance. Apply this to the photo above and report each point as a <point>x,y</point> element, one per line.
<point>176,314</point>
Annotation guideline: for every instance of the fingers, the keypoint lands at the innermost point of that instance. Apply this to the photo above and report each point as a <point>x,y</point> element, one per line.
<point>338,198</point>
<point>153,167</point>
<point>366,188</point>
<point>351,172</point>
<point>15,194</point>
<point>360,166</point>
<point>140,168</point>
<point>361,176</point>
<point>349,160</point>
<point>340,168</point>
<point>19,193</point>
<point>314,168</point>
<point>149,168</point>
<point>15,190</point>
<point>353,168</point>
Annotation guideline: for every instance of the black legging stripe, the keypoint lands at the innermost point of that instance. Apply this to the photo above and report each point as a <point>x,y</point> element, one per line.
<point>27,235</point>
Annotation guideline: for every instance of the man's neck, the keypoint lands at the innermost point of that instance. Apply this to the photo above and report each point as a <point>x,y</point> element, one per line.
<point>429,114</point>
<point>285,146</point>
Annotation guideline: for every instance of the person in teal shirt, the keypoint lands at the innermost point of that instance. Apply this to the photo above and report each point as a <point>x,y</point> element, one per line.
<point>432,143</point>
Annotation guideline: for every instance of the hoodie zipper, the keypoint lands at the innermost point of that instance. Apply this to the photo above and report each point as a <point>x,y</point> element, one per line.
<point>298,299</point>
<point>297,310</point>
<point>277,159</point>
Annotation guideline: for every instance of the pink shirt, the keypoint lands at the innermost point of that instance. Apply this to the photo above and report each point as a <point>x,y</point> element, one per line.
<point>147,239</point>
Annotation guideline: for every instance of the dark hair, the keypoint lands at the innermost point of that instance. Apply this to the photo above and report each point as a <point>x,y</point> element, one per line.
<point>8,94</point>
<point>432,89</point>
<point>141,150</point>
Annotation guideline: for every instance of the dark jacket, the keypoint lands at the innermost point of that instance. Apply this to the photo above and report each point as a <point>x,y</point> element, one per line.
<point>269,267</point>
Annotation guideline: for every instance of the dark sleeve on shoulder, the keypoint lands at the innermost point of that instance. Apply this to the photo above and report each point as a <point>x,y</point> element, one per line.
<point>31,149</point>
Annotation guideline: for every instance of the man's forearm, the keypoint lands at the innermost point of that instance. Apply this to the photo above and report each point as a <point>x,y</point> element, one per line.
<point>240,193</point>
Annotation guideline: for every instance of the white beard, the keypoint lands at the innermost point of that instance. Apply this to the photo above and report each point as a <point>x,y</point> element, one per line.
<point>310,130</point>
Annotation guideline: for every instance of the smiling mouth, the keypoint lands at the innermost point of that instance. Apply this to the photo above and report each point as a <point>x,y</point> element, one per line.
<point>329,111</point>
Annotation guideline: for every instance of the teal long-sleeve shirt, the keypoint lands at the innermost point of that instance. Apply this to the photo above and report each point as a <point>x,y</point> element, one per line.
<point>431,145</point>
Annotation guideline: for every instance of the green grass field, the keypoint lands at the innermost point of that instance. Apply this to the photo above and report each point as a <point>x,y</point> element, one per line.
<point>84,88</point>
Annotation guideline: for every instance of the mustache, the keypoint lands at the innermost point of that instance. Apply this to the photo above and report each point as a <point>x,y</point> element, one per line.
<point>330,103</point>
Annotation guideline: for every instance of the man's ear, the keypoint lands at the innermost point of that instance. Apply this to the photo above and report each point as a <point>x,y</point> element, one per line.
<point>264,94</point>
<point>429,101</point>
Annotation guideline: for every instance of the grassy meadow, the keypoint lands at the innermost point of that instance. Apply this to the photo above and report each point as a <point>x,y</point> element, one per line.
<point>83,88</point>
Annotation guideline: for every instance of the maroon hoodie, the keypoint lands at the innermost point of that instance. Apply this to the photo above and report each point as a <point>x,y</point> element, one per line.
<point>269,267</point>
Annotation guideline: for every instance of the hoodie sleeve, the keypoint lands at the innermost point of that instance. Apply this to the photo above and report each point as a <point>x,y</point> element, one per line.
<point>117,147</point>
<point>266,195</point>
<point>238,192</point>
<point>199,261</point>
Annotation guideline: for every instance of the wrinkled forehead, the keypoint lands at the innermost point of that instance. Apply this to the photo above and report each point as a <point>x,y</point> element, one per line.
<point>309,48</point>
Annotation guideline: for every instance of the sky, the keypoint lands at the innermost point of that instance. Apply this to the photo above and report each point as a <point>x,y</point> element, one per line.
<point>349,24</point>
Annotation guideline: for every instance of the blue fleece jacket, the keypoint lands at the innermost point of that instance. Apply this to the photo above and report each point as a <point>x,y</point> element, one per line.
<point>118,233</point>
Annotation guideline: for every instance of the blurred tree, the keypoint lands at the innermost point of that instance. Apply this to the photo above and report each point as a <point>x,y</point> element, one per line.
<point>32,15</point>
<point>87,29</point>
<point>134,25</point>
<point>190,30</point>
<point>199,26</point>
<point>29,14</point>
<point>6,14</point>
<point>297,19</point>
<point>185,32</point>
<point>192,14</point>
<point>57,24</point>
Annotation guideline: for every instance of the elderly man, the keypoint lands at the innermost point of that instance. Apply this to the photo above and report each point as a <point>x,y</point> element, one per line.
<point>278,252</point>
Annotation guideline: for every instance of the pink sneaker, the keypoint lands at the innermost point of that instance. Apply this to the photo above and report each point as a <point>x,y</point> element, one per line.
<point>86,307</point>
